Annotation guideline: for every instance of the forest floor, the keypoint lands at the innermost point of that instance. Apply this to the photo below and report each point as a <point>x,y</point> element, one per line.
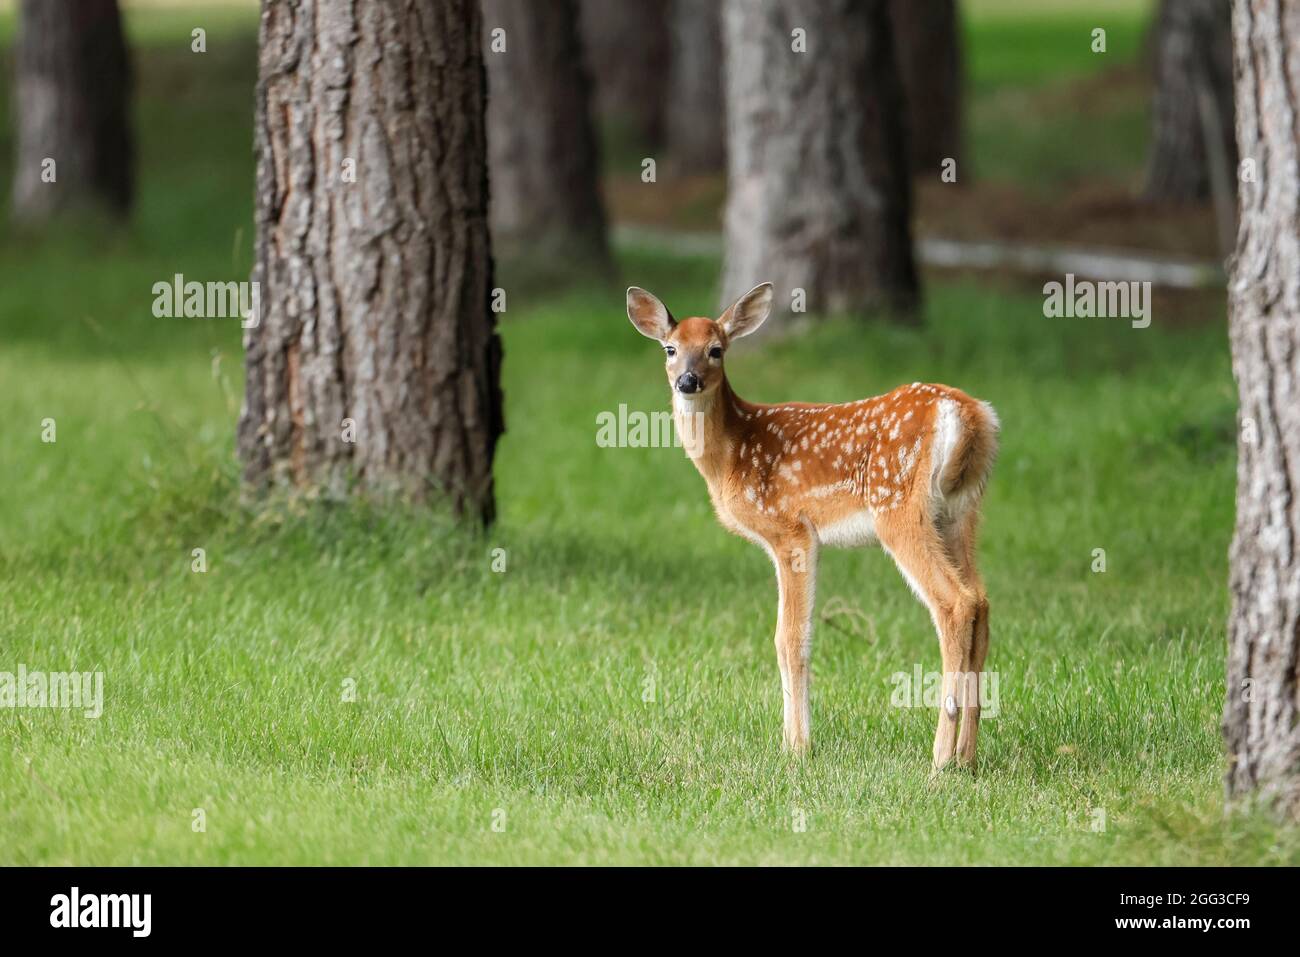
<point>361,686</point>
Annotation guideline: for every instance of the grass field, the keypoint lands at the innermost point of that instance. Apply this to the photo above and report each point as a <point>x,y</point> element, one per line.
<point>500,716</point>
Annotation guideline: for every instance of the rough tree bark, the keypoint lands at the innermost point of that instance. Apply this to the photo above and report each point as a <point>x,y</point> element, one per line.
<point>818,192</point>
<point>627,43</point>
<point>1262,715</point>
<point>542,146</point>
<point>696,111</point>
<point>1193,87</point>
<point>927,36</point>
<point>372,255</point>
<point>72,91</point>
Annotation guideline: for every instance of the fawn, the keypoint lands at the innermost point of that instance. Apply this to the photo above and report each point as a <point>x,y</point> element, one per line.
<point>906,469</point>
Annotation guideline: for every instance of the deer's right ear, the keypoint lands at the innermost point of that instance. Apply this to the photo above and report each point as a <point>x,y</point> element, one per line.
<point>650,316</point>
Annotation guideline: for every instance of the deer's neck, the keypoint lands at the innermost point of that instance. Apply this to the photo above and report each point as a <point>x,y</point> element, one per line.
<point>707,427</point>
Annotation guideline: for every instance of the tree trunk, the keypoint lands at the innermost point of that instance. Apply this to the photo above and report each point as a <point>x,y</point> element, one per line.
<point>544,158</point>
<point>72,106</point>
<point>697,140</point>
<point>818,192</point>
<point>1262,716</point>
<point>375,365</point>
<point>1192,105</point>
<point>627,43</point>
<point>927,36</point>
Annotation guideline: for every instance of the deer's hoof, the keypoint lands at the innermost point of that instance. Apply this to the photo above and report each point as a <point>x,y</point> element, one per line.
<point>798,747</point>
<point>953,766</point>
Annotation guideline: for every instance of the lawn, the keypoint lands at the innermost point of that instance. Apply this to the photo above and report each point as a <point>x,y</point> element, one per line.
<point>351,685</point>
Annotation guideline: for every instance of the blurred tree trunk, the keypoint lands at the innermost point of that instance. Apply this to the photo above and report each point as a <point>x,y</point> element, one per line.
<point>1262,716</point>
<point>627,43</point>
<point>375,365</point>
<point>818,191</point>
<point>697,139</point>
<point>542,146</point>
<point>72,91</point>
<point>927,36</point>
<point>1192,105</point>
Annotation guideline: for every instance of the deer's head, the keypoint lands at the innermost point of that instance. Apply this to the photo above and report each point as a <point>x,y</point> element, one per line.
<point>694,347</point>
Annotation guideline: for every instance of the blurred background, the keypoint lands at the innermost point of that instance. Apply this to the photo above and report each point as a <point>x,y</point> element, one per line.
<point>523,686</point>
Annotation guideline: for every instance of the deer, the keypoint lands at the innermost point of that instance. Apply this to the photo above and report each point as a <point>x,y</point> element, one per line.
<point>906,470</point>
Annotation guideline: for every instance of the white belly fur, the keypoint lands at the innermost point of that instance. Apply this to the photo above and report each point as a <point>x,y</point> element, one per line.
<point>853,532</point>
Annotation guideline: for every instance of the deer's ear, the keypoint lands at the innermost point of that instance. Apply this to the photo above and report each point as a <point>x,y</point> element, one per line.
<point>748,312</point>
<point>650,316</point>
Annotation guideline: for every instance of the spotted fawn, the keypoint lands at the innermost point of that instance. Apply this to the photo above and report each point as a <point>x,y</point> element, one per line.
<point>905,470</point>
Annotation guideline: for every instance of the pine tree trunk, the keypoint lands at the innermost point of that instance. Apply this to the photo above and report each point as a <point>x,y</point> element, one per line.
<point>818,192</point>
<point>1193,86</point>
<point>627,44</point>
<point>697,140</point>
<point>1262,716</point>
<point>372,256</point>
<point>927,37</point>
<point>544,159</point>
<point>72,93</point>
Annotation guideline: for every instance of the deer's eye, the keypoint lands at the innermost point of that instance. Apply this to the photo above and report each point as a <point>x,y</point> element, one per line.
<point>715,352</point>
<point>670,351</point>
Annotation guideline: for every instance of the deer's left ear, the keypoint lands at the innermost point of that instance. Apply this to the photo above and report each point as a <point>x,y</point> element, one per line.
<point>650,316</point>
<point>748,312</point>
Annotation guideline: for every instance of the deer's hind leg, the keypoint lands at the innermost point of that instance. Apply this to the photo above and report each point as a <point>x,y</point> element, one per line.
<point>917,547</point>
<point>959,538</point>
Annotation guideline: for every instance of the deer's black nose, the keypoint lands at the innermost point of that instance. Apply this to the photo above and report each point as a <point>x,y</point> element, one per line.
<point>688,382</point>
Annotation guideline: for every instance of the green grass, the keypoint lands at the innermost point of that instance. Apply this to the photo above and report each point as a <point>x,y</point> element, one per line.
<point>1024,42</point>
<point>1037,115</point>
<point>518,696</point>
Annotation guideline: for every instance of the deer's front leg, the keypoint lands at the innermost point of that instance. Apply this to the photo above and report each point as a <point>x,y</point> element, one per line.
<point>795,555</point>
